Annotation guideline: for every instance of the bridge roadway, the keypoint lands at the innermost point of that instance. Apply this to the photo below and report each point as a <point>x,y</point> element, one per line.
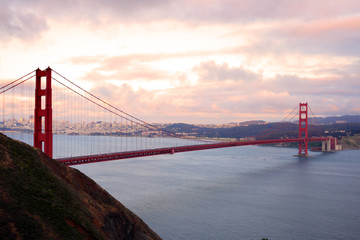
<point>172,150</point>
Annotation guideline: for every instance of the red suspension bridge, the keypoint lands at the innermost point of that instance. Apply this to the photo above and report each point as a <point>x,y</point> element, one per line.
<point>63,108</point>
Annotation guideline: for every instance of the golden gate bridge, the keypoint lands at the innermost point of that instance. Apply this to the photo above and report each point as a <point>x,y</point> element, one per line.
<point>57,106</point>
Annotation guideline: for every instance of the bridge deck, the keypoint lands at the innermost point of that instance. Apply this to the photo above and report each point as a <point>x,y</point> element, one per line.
<point>172,150</point>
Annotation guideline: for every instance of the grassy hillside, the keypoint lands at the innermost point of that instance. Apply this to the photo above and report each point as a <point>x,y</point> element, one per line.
<point>42,199</point>
<point>350,142</point>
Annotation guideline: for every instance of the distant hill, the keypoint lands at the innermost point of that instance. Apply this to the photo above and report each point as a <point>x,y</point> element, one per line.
<point>247,123</point>
<point>252,122</point>
<point>316,121</point>
<point>352,142</point>
<point>340,119</point>
<point>266,131</point>
<point>43,199</point>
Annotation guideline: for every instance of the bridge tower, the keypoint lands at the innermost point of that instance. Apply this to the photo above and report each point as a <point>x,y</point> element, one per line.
<point>303,129</point>
<point>43,137</point>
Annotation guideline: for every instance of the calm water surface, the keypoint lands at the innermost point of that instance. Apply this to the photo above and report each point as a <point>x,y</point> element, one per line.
<point>245,192</point>
<point>240,193</point>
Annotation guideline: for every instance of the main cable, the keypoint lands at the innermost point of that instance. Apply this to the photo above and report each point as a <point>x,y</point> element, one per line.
<point>17,79</point>
<point>279,127</point>
<point>140,122</point>
<point>282,122</point>
<point>110,105</point>
<point>4,91</point>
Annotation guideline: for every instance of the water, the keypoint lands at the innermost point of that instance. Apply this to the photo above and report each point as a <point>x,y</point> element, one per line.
<point>240,193</point>
<point>248,192</point>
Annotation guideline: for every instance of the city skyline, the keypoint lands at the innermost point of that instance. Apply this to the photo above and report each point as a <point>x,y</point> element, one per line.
<point>193,61</point>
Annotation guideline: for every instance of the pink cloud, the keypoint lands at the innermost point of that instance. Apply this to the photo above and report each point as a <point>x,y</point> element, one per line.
<point>322,28</point>
<point>224,94</point>
<point>222,100</point>
<point>211,72</point>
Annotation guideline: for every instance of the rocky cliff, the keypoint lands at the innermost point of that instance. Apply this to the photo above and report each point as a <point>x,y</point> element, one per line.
<point>43,199</point>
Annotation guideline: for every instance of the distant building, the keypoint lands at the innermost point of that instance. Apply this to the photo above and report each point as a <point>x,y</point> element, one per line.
<point>341,121</point>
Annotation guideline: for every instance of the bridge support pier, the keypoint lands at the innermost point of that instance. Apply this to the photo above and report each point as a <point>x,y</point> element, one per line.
<point>330,145</point>
<point>303,129</point>
<point>43,138</point>
<point>326,146</point>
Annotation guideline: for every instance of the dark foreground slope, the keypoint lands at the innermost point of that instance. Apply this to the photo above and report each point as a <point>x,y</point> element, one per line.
<point>42,199</point>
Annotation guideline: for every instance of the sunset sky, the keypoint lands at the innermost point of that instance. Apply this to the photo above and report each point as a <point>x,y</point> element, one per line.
<point>193,61</point>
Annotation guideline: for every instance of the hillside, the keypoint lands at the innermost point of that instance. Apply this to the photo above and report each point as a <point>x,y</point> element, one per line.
<point>42,199</point>
<point>267,131</point>
<point>350,142</point>
<point>337,119</point>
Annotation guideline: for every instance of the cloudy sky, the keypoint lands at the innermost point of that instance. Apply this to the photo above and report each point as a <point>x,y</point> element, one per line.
<point>209,61</point>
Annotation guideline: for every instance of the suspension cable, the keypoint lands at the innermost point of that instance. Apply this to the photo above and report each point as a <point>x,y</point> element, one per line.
<point>110,105</point>
<point>140,122</point>
<point>276,126</point>
<point>313,116</point>
<point>11,87</point>
<point>17,79</point>
<point>271,130</point>
<point>101,106</point>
